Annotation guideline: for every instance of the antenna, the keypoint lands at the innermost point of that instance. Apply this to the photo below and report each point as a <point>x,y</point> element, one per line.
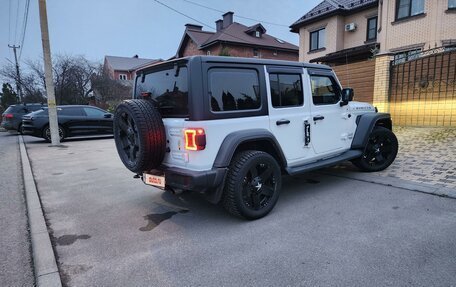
<point>346,70</point>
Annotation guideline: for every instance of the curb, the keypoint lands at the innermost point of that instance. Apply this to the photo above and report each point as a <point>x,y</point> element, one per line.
<point>46,271</point>
<point>394,182</point>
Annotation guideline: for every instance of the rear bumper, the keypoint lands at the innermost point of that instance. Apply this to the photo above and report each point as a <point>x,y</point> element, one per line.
<point>209,182</point>
<point>8,125</point>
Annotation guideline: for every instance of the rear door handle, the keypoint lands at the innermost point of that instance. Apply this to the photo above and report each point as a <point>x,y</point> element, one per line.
<point>282,122</point>
<point>318,118</point>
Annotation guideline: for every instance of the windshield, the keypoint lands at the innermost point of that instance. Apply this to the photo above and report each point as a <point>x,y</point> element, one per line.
<point>168,88</point>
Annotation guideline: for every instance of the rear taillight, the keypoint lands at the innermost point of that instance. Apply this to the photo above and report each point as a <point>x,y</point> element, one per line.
<point>9,116</point>
<point>195,139</point>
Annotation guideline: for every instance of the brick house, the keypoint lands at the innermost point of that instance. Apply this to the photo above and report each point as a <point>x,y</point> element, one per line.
<point>124,68</point>
<point>234,39</point>
<point>361,39</point>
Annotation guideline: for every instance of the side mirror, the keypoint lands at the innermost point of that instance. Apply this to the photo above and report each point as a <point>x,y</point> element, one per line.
<point>347,96</point>
<point>108,116</point>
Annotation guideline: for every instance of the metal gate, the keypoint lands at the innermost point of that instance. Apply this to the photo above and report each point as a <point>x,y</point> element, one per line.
<point>423,89</point>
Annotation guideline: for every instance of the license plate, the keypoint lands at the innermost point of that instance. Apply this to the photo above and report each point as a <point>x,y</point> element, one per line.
<point>154,180</point>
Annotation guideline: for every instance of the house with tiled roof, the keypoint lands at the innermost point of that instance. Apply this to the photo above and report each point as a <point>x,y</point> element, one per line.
<point>235,39</point>
<point>366,41</point>
<point>124,68</point>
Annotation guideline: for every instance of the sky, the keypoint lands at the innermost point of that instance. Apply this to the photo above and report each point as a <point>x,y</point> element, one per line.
<point>95,28</point>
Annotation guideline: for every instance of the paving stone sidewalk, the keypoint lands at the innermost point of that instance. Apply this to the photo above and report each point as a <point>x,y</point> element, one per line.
<point>426,155</point>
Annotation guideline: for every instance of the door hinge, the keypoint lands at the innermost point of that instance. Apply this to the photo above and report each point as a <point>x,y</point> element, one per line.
<point>306,133</point>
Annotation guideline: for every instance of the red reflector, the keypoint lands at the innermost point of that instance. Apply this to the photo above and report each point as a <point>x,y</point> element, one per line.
<point>195,139</point>
<point>9,116</point>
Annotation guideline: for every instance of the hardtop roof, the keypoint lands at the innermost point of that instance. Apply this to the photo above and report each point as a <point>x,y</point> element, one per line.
<point>237,60</point>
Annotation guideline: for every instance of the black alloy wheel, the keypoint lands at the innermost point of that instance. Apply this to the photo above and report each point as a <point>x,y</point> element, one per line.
<point>47,133</point>
<point>129,137</point>
<point>253,185</point>
<point>380,152</point>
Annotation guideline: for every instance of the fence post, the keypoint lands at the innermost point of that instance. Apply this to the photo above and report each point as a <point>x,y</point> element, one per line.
<point>382,82</point>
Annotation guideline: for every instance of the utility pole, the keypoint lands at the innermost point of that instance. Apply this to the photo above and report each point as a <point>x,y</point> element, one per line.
<point>52,109</point>
<point>18,75</point>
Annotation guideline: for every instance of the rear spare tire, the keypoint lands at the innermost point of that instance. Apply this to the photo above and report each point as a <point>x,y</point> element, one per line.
<point>139,134</point>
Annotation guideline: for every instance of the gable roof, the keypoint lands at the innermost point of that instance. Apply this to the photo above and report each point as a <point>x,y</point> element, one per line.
<point>127,63</point>
<point>329,8</point>
<point>199,37</point>
<point>235,33</point>
<point>255,27</point>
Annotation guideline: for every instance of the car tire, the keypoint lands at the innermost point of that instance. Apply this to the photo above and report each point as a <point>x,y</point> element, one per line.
<point>252,186</point>
<point>140,135</point>
<point>380,151</point>
<point>46,133</point>
<point>20,129</point>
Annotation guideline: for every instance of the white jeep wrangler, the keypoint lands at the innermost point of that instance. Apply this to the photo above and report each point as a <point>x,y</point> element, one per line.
<point>230,128</point>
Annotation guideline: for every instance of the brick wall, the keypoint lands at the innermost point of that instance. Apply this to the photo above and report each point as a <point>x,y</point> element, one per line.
<point>428,30</point>
<point>191,49</point>
<point>244,51</point>
<point>382,82</point>
<point>116,75</point>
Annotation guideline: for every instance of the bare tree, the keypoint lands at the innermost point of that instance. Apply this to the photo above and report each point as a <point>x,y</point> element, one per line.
<point>72,79</point>
<point>108,92</point>
<point>32,89</point>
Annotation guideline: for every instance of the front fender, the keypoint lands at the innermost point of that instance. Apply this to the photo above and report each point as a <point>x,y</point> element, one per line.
<point>366,124</point>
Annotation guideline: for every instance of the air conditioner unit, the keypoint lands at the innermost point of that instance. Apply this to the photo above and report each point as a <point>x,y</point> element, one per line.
<point>350,27</point>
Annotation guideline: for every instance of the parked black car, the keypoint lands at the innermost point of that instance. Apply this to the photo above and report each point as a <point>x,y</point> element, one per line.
<point>74,120</point>
<point>12,116</point>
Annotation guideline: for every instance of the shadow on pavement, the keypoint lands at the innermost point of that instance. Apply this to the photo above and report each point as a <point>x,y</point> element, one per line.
<point>36,140</point>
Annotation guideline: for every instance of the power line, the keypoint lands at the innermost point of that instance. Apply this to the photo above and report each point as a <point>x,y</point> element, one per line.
<point>238,16</point>
<point>198,21</point>
<point>9,21</point>
<point>24,27</point>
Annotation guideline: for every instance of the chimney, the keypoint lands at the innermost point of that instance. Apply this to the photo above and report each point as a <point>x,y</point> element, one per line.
<point>193,27</point>
<point>219,25</point>
<point>227,19</point>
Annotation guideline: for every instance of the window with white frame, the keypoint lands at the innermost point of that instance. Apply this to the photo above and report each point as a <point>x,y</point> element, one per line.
<point>409,8</point>
<point>317,40</point>
<point>122,76</point>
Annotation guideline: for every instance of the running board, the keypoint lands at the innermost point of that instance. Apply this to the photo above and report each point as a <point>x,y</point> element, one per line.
<point>351,154</point>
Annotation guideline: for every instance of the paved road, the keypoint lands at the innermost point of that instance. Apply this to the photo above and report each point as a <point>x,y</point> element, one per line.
<point>111,230</point>
<point>426,155</point>
<point>15,258</point>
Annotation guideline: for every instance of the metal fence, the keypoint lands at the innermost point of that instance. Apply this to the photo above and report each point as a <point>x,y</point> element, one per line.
<point>423,88</point>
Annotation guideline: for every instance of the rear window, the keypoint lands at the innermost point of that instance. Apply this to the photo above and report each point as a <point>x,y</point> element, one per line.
<point>168,88</point>
<point>10,109</point>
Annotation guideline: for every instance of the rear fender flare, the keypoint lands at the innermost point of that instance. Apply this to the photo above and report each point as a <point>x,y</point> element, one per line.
<point>232,141</point>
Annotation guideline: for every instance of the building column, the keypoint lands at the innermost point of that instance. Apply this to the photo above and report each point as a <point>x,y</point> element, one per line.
<point>382,82</point>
